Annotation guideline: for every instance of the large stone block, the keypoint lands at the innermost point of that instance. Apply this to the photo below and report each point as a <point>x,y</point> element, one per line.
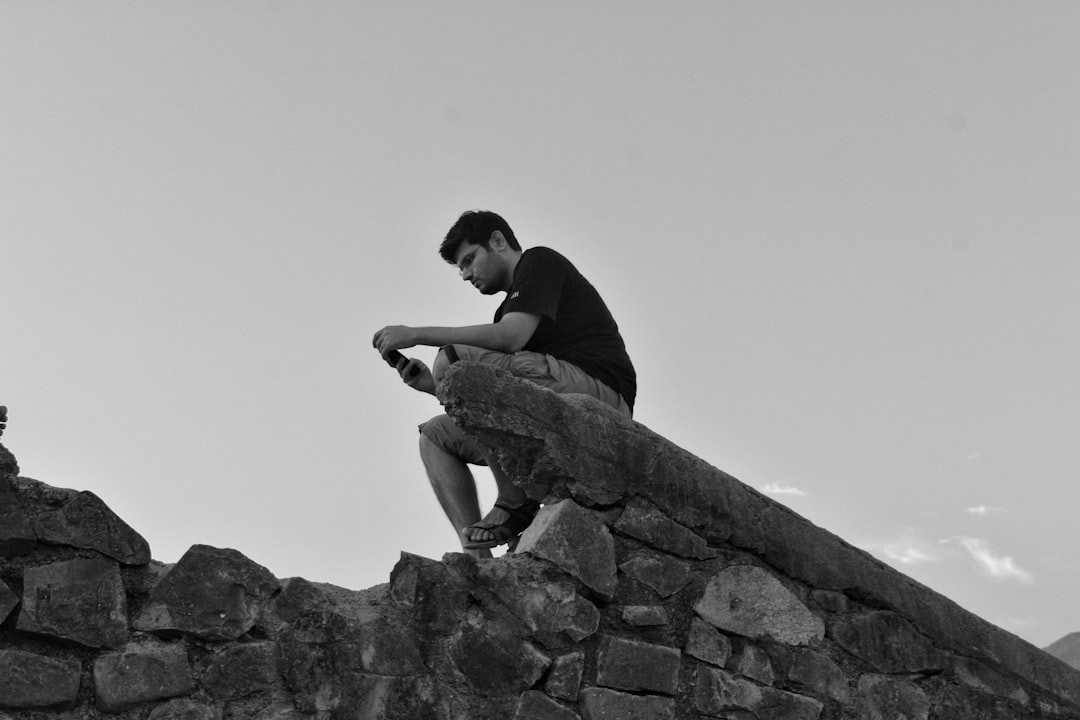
<point>324,652</point>
<point>719,693</point>
<point>752,662</point>
<point>637,666</point>
<point>663,573</point>
<point>81,600</point>
<point>749,601</point>
<point>887,642</point>
<point>559,533</point>
<point>564,677</point>
<point>813,671</point>
<point>538,706</point>
<point>211,593</point>
<point>29,680</point>
<point>239,670</point>
<point>494,661</point>
<point>142,674</point>
<point>643,521</point>
<point>984,678</point>
<point>84,521</point>
<point>707,644</point>
<point>888,698</point>
<point>603,704</point>
<point>33,512</point>
<point>544,605</point>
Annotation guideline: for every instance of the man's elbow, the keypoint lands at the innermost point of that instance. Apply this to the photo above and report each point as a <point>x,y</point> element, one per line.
<point>513,344</point>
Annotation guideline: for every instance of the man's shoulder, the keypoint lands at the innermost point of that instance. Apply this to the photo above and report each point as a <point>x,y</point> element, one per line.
<point>545,256</point>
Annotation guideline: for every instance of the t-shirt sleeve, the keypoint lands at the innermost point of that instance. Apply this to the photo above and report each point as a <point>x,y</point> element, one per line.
<point>538,284</point>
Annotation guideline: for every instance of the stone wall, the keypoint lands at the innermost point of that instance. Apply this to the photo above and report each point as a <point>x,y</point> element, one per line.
<point>651,586</point>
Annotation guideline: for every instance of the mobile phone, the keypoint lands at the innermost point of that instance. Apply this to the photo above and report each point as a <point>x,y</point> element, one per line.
<point>394,356</point>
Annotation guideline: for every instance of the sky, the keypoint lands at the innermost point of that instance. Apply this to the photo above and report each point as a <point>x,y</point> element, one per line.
<point>841,240</point>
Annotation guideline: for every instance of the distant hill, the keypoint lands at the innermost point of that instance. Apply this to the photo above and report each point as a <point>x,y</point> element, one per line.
<point>1067,649</point>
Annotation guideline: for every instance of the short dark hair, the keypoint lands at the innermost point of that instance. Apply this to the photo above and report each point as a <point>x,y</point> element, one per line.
<point>476,227</point>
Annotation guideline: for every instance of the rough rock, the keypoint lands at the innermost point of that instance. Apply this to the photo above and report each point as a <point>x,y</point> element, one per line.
<point>813,671</point>
<point>557,534</point>
<point>642,521</point>
<point>494,662</point>
<point>84,521</point>
<point>142,673</point>
<point>887,698</point>
<point>722,694</point>
<point>35,512</point>
<point>564,676</point>
<point>986,679</point>
<point>31,680</point>
<point>211,593</point>
<point>241,670</point>
<point>707,644</point>
<point>543,604</point>
<point>662,573</point>
<point>750,601</point>
<point>637,666</point>
<point>603,704</point>
<point>81,600</point>
<point>887,642</point>
<point>645,615</point>
<point>752,662</point>
<point>326,653</point>
<point>538,706</point>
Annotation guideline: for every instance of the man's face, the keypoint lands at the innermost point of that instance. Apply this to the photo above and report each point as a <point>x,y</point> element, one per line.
<point>482,267</point>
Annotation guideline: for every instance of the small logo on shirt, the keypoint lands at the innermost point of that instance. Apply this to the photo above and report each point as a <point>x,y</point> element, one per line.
<point>516,293</point>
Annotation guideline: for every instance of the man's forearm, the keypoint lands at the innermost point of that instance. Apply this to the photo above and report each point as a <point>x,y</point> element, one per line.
<point>490,336</point>
<point>508,335</point>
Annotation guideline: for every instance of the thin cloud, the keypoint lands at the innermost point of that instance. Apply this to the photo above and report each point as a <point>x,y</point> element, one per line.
<point>777,489</point>
<point>1002,567</point>
<point>907,549</point>
<point>984,510</point>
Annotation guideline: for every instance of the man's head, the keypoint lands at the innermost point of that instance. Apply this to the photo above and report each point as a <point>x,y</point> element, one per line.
<point>484,248</point>
<point>476,227</point>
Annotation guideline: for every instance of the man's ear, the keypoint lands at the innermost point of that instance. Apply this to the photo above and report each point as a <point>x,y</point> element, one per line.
<point>497,241</point>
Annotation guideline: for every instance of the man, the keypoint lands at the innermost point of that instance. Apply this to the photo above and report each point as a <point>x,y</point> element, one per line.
<point>552,328</point>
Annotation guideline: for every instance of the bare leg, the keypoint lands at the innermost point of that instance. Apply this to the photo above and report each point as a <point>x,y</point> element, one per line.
<point>509,494</point>
<point>454,488</point>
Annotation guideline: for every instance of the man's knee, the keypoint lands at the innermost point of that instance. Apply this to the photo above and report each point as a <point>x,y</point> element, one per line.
<point>441,434</point>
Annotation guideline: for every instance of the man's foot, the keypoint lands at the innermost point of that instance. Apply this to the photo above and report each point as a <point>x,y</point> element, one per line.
<point>500,526</point>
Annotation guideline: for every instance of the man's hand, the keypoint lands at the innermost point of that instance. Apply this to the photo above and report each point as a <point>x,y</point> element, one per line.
<point>416,375</point>
<point>394,337</point>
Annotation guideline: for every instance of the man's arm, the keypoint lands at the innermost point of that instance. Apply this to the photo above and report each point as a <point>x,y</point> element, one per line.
<point>508,335</point>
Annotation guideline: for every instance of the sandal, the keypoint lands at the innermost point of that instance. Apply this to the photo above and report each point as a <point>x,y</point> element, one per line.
<point>520,518</point>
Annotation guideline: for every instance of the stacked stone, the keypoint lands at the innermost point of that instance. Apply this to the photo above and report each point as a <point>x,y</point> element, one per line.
<point>650,587</point>
<point>89,624</point>
<point>716,602</point>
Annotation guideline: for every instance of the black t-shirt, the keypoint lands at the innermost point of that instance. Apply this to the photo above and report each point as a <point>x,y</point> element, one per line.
<point>575,324</point>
